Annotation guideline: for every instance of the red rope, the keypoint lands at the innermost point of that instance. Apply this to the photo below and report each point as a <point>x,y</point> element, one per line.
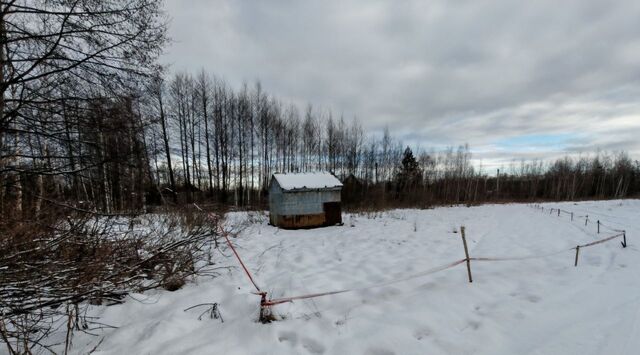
<point>246,271</point>
<point>601,240</point>
<point>611,228</point>
<point>382,284</point>
<point>235,252</point>
<point>312,295</point>
<point>545,255</point>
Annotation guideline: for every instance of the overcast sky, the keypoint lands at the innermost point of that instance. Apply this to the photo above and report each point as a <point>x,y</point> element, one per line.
<point>514,79</point>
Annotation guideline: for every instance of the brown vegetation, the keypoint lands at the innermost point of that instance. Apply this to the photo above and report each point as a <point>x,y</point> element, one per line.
<point>52,266</point>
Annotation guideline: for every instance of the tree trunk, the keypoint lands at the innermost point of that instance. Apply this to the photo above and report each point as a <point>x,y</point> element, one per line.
<point>165,139</point>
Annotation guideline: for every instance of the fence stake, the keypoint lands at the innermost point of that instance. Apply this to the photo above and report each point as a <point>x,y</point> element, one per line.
<point>577,252</point>
<point>558,212</point>
<point>265,310</point>
<point>571,216</point>
<point>466,253</point>
<point>624,239</point>
<point>586,219</point>
<point>598,226</point>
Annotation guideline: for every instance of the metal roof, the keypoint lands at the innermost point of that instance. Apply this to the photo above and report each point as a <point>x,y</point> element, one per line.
<point>307,181</point>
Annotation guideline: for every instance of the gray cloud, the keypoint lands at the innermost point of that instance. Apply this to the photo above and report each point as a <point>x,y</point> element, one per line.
<point>439,72</point>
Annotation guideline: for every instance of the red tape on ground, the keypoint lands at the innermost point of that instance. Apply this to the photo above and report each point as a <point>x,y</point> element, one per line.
<point>601,240</point>
<point>382,284</point>
<point>545,255</point>
<point>246,271</point>
<point>235,252</point>
<point>611,228</point>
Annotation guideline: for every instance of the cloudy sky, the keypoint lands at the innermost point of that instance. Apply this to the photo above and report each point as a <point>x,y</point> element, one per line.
<point>514,79</point>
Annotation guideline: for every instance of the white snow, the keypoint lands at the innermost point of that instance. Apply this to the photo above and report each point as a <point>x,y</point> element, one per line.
<point>307,181</point>
<point>533,306</point>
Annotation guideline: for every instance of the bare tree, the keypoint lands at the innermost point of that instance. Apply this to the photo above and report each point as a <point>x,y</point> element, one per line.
<point>157,90</point>
<point>58,56</point>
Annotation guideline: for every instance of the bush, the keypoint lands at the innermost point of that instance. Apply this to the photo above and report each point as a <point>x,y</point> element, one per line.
<point>52,266</point>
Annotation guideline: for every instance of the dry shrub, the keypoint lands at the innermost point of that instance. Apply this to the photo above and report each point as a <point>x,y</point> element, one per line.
<point>52,267</point>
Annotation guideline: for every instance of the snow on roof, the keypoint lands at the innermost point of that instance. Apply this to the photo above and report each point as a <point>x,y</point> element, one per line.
<point>307,181</point>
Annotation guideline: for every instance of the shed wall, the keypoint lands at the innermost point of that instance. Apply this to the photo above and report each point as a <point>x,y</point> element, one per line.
<point>305,202</point>
<point>275,198</point>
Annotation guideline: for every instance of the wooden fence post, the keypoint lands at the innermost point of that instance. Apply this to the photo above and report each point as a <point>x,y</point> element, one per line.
<point>624,239</point>
<point>577,252</point>
<point>558,212</point>
<point>571,216</point>
<point>466,253</point>
<point>265,309</point>
<point>598,226</point>
<point>586,219</point>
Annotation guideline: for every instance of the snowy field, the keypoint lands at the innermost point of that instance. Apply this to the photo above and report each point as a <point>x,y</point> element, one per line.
<point>531,306</point>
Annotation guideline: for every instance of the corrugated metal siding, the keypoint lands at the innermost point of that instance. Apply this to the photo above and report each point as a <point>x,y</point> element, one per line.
<point>306,202</point>
<point>275,198</point>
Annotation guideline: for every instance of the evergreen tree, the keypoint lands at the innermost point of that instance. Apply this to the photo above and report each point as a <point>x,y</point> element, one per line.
<point>409,163</point>
<point>409,174</point>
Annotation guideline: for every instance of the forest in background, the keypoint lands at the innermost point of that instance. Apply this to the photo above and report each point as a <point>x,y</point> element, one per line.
<point>171,140</point>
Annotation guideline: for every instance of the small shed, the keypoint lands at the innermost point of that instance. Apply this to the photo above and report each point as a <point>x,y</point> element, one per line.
<point>304,200</point>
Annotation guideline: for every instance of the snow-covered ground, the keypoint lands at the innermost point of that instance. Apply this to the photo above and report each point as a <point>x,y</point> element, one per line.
<point>532,306</point>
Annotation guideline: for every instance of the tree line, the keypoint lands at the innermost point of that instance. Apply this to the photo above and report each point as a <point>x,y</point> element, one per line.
<point>192,138</point>
<point>449,178</point>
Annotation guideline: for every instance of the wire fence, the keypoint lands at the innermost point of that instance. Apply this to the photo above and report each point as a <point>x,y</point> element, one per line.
<point>266,303</point>
<point>599,224</point>
<point>621,233</point>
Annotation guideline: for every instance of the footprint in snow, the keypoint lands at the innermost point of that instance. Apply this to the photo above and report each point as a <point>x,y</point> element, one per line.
<point>289,337</point>
<point>428,286</point>
<point>480,311</point>
<point>593,260</point>
<point>313,346</point>
<point>421,333</point>
<point>474,325</point>
<point>533,298</point>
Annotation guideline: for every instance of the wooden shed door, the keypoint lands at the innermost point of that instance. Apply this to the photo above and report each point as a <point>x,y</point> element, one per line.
<point>332,213</point>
